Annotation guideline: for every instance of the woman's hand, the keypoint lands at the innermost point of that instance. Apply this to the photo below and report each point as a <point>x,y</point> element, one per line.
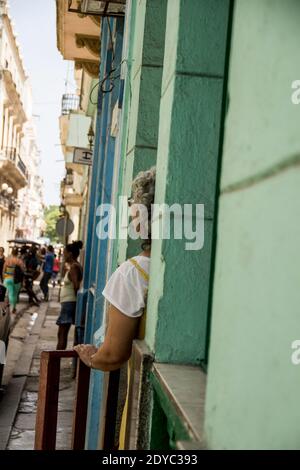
<point>85,351</point>
<point>117,346</point>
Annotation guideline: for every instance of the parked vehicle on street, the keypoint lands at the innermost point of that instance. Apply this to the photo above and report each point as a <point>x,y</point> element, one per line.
<point>23,242</point>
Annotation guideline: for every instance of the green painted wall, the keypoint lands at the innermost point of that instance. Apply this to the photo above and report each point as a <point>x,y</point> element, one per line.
<point>187,167</point>
<point>146,39</point>
<point>166,427</point>
<point>120,246</point>
<point>253,388</point>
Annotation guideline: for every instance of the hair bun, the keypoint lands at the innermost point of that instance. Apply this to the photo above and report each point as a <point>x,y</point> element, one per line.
<point>78,244</point>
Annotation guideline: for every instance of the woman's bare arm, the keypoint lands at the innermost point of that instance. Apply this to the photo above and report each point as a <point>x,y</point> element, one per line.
<point>116,349</point>
<point>75,276</point>
<point>21,264</point>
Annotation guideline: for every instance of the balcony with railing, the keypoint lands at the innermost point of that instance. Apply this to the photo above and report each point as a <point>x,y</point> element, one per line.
<point>22,167</point>
<point>15,95</point>
<point>13,165</point>
<point>69,102</point>
<point>4,201</point>
<point>68,193</point>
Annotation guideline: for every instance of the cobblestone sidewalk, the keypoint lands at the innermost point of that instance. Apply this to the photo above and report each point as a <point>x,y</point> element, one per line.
<point>23,431</point>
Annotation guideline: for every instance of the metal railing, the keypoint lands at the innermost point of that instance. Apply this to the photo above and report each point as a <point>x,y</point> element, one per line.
<point>4,201</point>
<point>69,102</point>
<point>10,203</point>
<point>21,165</point>
<point>10,153</point>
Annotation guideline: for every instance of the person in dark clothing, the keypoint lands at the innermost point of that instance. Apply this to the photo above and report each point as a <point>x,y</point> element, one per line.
<point>2,261</point>
<point>23,252</point>
<point>31,263</point>
<point>41,256</point>
<point>48,269</point>
<point>56,269</point>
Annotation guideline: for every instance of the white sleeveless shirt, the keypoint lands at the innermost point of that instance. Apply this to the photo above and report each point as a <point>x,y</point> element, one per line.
<point>126,288</point>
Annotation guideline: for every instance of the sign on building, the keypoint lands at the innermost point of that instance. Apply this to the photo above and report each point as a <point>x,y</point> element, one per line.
<point>64,227</point>
<point>83,156</point>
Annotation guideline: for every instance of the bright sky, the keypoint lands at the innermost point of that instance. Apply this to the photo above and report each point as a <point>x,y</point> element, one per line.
<point>35,26</point>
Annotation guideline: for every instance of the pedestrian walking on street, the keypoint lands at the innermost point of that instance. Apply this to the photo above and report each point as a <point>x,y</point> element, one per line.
<point>56,269</point>
<point>13,273</point>
<point>47,270</point>
<point>68,294</point>
<point>42,256</point>
<point>2,261</point>
<point>31,264</point>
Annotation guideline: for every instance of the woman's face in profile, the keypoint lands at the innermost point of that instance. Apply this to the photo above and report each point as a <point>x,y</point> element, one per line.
<point>67,256</point>
<point>134,216</point>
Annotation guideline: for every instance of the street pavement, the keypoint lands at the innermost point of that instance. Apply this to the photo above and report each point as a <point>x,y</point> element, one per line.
<point>34,331</point>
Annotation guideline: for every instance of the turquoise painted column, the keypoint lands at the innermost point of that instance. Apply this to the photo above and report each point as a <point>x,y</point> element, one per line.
<point>126,70</point>
<point>146,38</point>
<point>187,168</point>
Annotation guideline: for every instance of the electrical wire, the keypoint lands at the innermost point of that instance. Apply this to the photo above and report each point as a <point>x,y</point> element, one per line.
<point>109,75</point>
<point>101,83</point>
<point>91,92</point>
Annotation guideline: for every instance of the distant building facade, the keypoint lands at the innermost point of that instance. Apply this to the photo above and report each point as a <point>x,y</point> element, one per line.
<point>78,40</point>
<point>30,223</point>
<point>18,149</point>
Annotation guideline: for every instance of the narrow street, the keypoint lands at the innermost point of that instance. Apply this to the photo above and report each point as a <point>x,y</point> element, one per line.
<point>150,168</point>
<point>34,330</point>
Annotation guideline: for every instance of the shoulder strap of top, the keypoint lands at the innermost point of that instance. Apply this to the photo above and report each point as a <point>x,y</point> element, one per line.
<point>140,269</point>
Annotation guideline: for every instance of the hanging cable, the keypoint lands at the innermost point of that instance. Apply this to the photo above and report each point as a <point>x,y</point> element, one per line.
<point>91,92</point>
<point>101,83</point>
<point>110,73</point>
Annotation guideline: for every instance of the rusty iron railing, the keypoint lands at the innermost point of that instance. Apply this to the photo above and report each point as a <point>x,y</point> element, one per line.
<point>47,409</point>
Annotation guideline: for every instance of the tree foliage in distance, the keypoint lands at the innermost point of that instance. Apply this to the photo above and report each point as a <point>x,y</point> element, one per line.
<point>51,216</point>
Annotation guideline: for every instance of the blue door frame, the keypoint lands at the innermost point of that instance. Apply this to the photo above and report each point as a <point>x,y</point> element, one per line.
<point>90,298</point>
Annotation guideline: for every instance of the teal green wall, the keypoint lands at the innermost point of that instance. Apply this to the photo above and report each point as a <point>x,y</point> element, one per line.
<point>166,427</point>
<point>120,246</point>
<point>253,388</point>
<point>187,167</point>
<point>143,85</point>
